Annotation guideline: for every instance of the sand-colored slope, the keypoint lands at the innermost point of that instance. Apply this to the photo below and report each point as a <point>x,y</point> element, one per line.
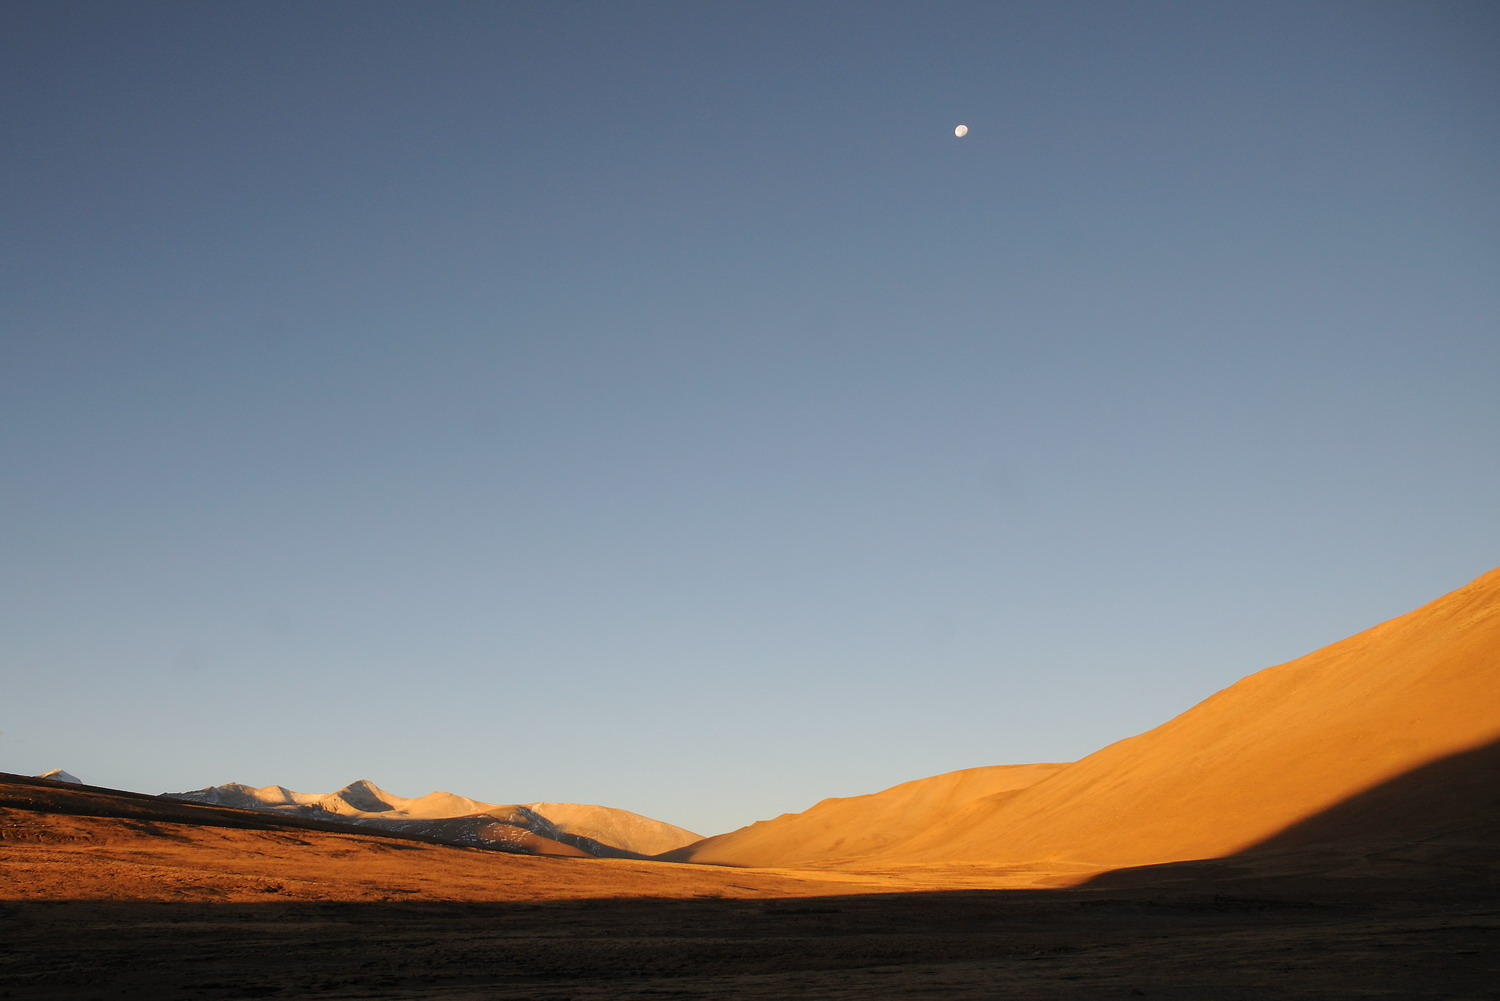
<point>1274,749</point>
<point>845,828</point>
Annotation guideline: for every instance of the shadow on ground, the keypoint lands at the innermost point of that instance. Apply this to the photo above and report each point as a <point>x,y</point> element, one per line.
<point>971,944</point>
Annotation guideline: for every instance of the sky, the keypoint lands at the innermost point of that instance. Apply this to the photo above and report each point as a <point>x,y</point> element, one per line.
<point>654,404</point>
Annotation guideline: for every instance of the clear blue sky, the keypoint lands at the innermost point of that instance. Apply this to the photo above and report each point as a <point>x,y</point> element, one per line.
<point>654,404</point>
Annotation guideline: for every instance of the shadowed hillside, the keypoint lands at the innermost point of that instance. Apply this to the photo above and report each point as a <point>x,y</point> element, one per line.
<point>1439,822</point>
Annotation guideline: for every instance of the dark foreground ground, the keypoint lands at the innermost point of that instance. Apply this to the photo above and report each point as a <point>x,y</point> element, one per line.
<point>964,944</point>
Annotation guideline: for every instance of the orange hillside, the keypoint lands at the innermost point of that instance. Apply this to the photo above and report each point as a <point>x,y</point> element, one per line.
<point>1259,756</point>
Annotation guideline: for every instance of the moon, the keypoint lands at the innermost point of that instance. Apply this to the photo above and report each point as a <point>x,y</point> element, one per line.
<point>961,131</point>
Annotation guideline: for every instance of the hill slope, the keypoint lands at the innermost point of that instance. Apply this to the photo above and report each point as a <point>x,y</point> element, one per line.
<point>1257,758</point>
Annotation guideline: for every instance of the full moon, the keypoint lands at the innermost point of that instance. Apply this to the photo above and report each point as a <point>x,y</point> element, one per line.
<point>961,131</point>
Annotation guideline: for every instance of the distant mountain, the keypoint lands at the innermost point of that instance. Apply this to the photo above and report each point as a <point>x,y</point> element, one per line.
<point>58,775</point>
<point>615,827</point>
<point>1395,727</point>
<point>566,828</point>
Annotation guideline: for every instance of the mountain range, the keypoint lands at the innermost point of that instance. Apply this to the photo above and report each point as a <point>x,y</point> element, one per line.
<point>549,828</point>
